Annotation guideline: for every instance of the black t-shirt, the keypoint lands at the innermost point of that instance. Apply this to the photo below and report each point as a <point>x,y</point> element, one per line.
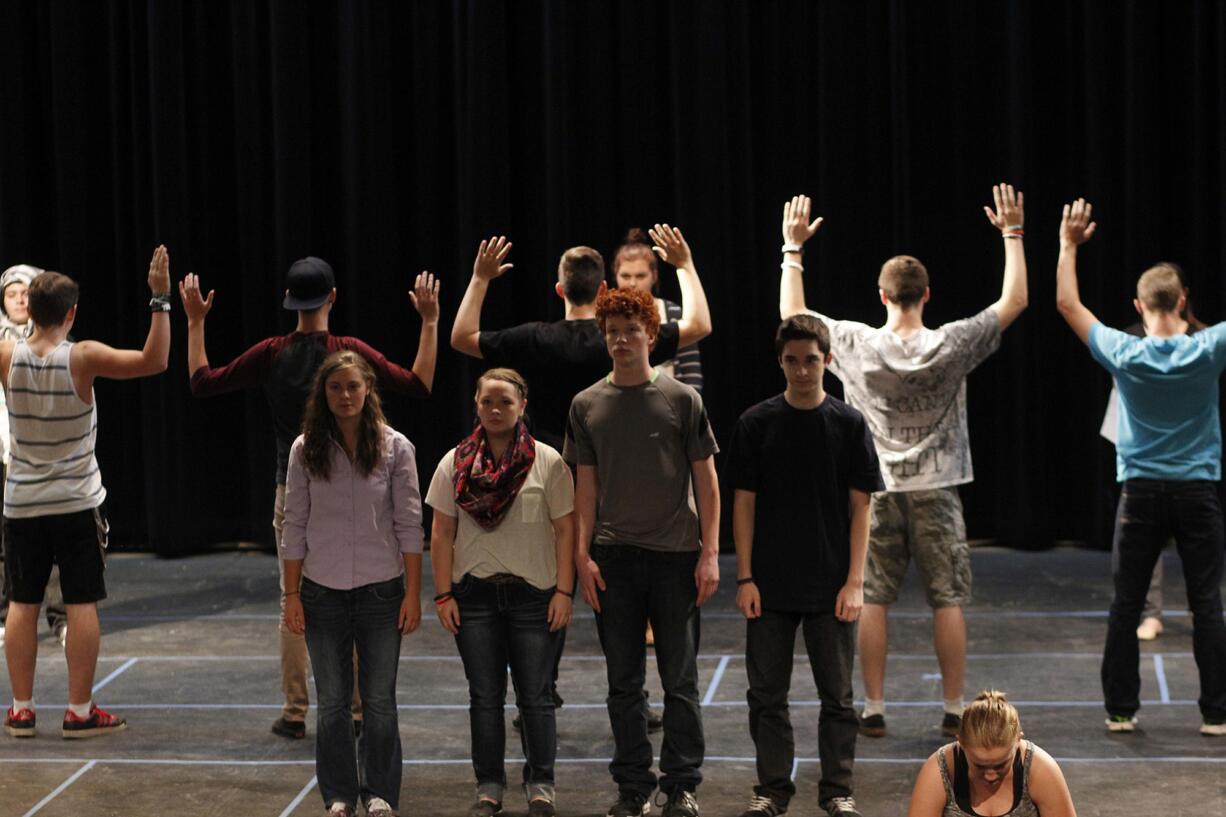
<point>801,464</point>
<point>559,360</point>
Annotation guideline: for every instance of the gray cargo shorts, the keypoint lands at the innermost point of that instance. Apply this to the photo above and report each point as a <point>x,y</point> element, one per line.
<point>924,525</point>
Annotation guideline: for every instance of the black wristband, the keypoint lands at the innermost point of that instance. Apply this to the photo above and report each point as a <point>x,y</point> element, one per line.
<point>748,580</point>
<point>569,595</point>
<point>442,597</point>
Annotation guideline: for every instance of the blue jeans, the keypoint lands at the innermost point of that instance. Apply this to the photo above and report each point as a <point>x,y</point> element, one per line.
<point>1150,512</point>
<point>501,624</point>
<point>336,622</point>
<point>643,585</point>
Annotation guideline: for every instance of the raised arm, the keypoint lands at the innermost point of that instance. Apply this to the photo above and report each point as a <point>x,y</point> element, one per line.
<point>1076,228</point>
<point>196,308</point>
<point>1009,217</point>
<point>466,331</point>
<point>671,246</point>
<point>96,359</point>
<point>425,300</point>
<point>797,229</point>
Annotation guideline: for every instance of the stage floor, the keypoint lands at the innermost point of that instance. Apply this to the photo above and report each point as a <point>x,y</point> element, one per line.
<point>189,658</point>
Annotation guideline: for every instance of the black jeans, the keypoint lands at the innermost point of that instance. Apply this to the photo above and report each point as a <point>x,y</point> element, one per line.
<point>643,585</point>
<point>831,645</point>
<point>501,625</point>
<point>1149,513</point>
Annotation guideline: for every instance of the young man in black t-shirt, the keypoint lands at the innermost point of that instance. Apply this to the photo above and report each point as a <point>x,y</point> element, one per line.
<point>803,467</point>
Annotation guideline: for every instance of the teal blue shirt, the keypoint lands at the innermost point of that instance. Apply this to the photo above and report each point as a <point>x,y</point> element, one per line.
<point>1168,421</point>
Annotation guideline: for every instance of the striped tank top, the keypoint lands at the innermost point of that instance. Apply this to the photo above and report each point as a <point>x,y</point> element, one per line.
<point>53,469</point>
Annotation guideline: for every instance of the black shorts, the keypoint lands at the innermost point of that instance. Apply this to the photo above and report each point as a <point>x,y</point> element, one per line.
<point>74,541</point>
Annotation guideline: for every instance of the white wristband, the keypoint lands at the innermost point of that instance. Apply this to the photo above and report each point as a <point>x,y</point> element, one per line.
<point>793,265</point>
<point>790,247</point>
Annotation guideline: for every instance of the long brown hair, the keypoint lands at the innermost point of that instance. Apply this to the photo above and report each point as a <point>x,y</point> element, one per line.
<point>319,427</point>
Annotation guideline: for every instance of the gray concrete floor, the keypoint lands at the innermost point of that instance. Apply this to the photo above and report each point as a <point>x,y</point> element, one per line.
<point>189,657</point>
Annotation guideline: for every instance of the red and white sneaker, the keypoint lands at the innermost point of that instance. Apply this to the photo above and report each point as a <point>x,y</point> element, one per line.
<point>20,724</point>
<point>99,722</point>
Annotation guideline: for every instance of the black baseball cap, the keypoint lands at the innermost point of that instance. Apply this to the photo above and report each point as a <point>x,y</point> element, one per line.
<point>310,281</point>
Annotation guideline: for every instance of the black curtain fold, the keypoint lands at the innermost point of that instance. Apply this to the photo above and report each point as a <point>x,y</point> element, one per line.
<point>390,137</point>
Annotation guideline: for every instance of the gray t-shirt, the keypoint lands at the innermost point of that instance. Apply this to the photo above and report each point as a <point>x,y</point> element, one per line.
<point>641,440</point>
<point>912,392</point>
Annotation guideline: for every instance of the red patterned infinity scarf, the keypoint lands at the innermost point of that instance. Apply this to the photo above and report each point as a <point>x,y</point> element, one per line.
<point>485,489</point>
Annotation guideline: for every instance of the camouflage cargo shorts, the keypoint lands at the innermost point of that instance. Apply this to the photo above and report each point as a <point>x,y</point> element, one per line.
<point>924,525</point>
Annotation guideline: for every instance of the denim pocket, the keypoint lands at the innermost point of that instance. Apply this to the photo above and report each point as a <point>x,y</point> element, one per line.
<point>463,586</point>
<point>310,591</point>
<point>389,590</point>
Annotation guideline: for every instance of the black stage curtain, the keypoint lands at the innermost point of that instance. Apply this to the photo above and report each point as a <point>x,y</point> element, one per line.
<point>389,137</point>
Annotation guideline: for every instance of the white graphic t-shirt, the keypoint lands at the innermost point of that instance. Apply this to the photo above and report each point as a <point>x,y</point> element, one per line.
<point>912,392</point>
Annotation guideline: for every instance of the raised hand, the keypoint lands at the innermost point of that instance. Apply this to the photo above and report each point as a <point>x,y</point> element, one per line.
<point>1009,209</point>
<point>671,246</point>
<point>159,271</point>
<point>194,306</point>
<point>1076,227</point>
<point>797,229</point>
<point>490,255</point>
<point>424,296</point>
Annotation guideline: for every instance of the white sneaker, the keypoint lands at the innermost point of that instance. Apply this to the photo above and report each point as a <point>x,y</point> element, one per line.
<point>1121,723</point>
<point>378,807</point>
<point>1150,629</point>
<point>1213,729</point>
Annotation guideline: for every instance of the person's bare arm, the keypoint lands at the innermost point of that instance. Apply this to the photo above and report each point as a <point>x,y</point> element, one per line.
<point>196,308</point>
<point>706,494</point>
<point>748,599</point>
<point>587,486</point>
<point>850,600</point>
<point>797,229</point>
<point>1048,788</point>
<point>424,296</point>
<point>93,359</point>
<point>295,622</point>
<point>671,246</point>
<point>1009,217</point>
<point>442,546</point>
<point>410,608</point>
<point>6,360</point>
<point>928,796</point>
<point>466,331</point>
<point>1076,228</point>
<point>561,606</point>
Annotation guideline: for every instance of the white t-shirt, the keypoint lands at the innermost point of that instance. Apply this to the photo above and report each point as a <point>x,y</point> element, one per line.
<point>912,392</point>
<point>523,543</point>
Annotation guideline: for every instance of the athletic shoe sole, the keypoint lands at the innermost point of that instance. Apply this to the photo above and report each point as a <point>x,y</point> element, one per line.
<point>93,732</point>
<point>646,810</point>
<point>1213,729</point>
<point>1129,725</point>
<point>23,731</point>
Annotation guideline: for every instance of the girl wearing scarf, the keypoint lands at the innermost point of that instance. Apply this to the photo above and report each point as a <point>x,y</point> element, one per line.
<point>501,549</point>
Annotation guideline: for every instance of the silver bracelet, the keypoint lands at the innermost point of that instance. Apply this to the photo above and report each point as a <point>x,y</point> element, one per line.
<point>794,265</point>
<point>790,247</point>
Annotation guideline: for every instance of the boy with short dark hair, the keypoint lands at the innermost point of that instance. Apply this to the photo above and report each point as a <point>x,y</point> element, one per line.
<point>804,468</point>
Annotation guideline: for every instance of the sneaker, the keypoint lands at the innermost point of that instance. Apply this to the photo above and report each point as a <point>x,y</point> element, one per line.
<point>540,807</point>
<point>681,803</point>
<point>294,730</point>
<point>655,723</point>
<point>950,724</point>
<point>1150,629</point>
<point>378,807</point>
<point>99,722</point>
<point>339,809</point>
<point>20,724</point>
<point>760,806</point>
<point>484,808</point>
<point>842,807</point>
<point>61,633</point>
<point>1211,728</point>
<point>872,726</point>
<point>630,804</point>
<point>1121,723</point>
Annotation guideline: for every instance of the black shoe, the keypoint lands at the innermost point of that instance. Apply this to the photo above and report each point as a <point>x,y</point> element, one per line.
<point>540,807</point>
<point>630,804</point>
<point>842,807</point>
<point>680,803</point>
<point>761,806</point>
<point>872,726</point>
<point>294,730</point>
<point>950,724</point>
<point>484,808</point>
<point>654,722</point>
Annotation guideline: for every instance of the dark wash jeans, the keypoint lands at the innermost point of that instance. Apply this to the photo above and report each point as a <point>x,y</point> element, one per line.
<point>501,625</point>
<point>336,622</point>
<point>1149,513</point>
<point>831,645</point>
<point>643,585</point>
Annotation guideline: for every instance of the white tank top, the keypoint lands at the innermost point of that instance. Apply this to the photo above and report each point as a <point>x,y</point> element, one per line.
<point>53,468</point>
